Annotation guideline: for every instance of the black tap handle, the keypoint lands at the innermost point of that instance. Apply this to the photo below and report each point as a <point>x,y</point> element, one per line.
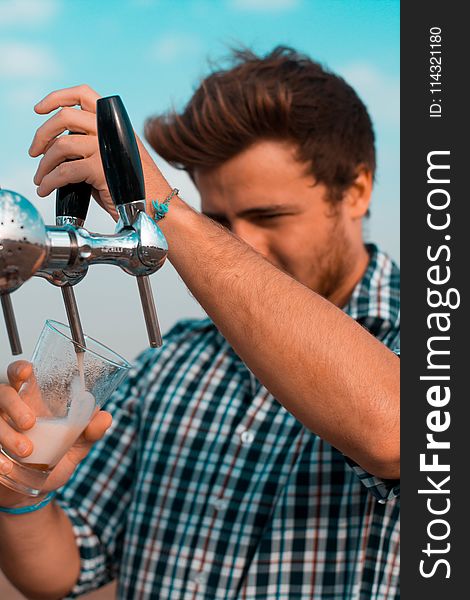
<point>119,151</point>
<point>73,200</point>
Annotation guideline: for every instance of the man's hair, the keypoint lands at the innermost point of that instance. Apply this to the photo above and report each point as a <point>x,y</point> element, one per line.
<point>282,96</point>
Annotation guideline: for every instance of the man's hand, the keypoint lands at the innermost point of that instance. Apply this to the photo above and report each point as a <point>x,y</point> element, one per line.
<point>14,439</point>
<point>53,172</point>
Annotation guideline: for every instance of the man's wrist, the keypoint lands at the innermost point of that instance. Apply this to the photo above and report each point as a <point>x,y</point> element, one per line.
<point>29,508</point>
<point>177,213</point>
<point>19,501</point>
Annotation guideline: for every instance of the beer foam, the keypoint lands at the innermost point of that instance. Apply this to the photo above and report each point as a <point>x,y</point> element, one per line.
<point>53,437</point>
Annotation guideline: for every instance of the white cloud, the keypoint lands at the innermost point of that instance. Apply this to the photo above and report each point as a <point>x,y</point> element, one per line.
<point>263,5</point>
<point>173,46</point>
<point>379,91</point>
<point>21,60</point>
<point>27,12</point>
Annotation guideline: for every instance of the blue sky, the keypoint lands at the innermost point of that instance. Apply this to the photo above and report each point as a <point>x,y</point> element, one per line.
<point>153,53</point>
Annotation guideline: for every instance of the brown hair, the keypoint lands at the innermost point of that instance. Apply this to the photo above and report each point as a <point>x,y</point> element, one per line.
<point>283,95</point>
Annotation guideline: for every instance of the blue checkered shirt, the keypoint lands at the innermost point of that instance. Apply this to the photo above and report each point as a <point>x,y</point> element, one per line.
<point>206,487</point>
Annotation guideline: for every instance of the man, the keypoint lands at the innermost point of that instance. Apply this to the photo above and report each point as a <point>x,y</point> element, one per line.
<point>256,455</point>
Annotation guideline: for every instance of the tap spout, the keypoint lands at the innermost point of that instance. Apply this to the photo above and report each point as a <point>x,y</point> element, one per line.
<point>10,322</point>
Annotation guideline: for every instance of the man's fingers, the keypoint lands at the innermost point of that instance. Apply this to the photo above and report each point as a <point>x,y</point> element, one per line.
<point>18,372</point>
<point>67,119</point>
<point>12,406</point>
<point>97,427</point>
<point>74,171</point>
<point>66,147</point>
<point>79,95</point>
<point>13,441</point>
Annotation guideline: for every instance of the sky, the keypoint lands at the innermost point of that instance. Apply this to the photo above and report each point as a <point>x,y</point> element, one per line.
<point>153,53</point>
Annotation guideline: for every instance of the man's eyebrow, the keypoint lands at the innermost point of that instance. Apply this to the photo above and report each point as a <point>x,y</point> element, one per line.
<point>257,211</point>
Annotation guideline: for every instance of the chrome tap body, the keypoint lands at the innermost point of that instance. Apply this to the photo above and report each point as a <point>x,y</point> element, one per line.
<point>138,247</point>
<point>62,254</point>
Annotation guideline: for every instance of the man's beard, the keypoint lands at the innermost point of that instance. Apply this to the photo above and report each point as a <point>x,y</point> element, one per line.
<point>334,262</point>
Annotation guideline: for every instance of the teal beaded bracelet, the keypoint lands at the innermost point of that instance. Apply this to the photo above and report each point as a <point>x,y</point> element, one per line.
<point>161,208</point>
<point>23,510</point>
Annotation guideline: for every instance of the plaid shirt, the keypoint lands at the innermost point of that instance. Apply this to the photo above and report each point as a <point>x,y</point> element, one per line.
<point>206,487</point>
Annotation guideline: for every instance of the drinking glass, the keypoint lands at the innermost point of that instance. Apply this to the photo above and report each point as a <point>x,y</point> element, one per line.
<point>68,384</point>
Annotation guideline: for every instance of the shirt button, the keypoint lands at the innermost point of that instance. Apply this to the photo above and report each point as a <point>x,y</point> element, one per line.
<point>199,577</point>
<point>220,504</point>
<point>247,437</point>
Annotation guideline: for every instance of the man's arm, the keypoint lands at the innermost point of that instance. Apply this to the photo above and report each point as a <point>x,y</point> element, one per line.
<point>40,556</point>
<point>319,363</point>
<point>328,371</point>
<point>38,551</point>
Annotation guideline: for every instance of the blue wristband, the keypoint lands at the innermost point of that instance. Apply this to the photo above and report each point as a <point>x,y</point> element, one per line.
<point>23,510</point>
<point>161,208</point>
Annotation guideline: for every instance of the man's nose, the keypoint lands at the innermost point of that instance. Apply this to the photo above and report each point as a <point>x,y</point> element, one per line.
<point>252,235</point>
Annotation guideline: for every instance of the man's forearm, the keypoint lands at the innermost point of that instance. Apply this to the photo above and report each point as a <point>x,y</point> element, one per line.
<point>319,363</point>
<point>38,552</point>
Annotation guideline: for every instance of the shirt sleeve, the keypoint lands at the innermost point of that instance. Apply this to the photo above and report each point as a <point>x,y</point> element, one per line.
<point>382,489</point>
<point>97,497</point>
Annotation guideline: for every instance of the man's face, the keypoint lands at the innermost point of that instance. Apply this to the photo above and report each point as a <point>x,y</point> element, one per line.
<point>267,198</point>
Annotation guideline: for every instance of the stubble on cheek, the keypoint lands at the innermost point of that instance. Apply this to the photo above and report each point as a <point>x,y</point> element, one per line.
<point>332,263</point>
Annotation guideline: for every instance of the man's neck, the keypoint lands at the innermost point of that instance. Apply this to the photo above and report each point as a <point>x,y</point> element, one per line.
<point>342,293</point>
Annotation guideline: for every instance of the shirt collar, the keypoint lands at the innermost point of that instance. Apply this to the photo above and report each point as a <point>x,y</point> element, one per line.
<point>377,294</point>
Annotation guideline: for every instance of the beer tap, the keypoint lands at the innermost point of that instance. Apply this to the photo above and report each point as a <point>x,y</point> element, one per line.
<point>124,176</point>
<point>72,202</point>
<point>10,322</point>
<point>22,250</point>
<point>63,253</point>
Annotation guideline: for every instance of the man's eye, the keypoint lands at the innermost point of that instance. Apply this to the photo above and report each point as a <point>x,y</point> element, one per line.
<point>268,217</point>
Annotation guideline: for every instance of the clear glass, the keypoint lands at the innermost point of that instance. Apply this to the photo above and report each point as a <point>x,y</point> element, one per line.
<point>68,384</point>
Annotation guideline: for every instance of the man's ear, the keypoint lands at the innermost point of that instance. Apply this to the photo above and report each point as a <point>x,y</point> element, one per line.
<point>357,197</point>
